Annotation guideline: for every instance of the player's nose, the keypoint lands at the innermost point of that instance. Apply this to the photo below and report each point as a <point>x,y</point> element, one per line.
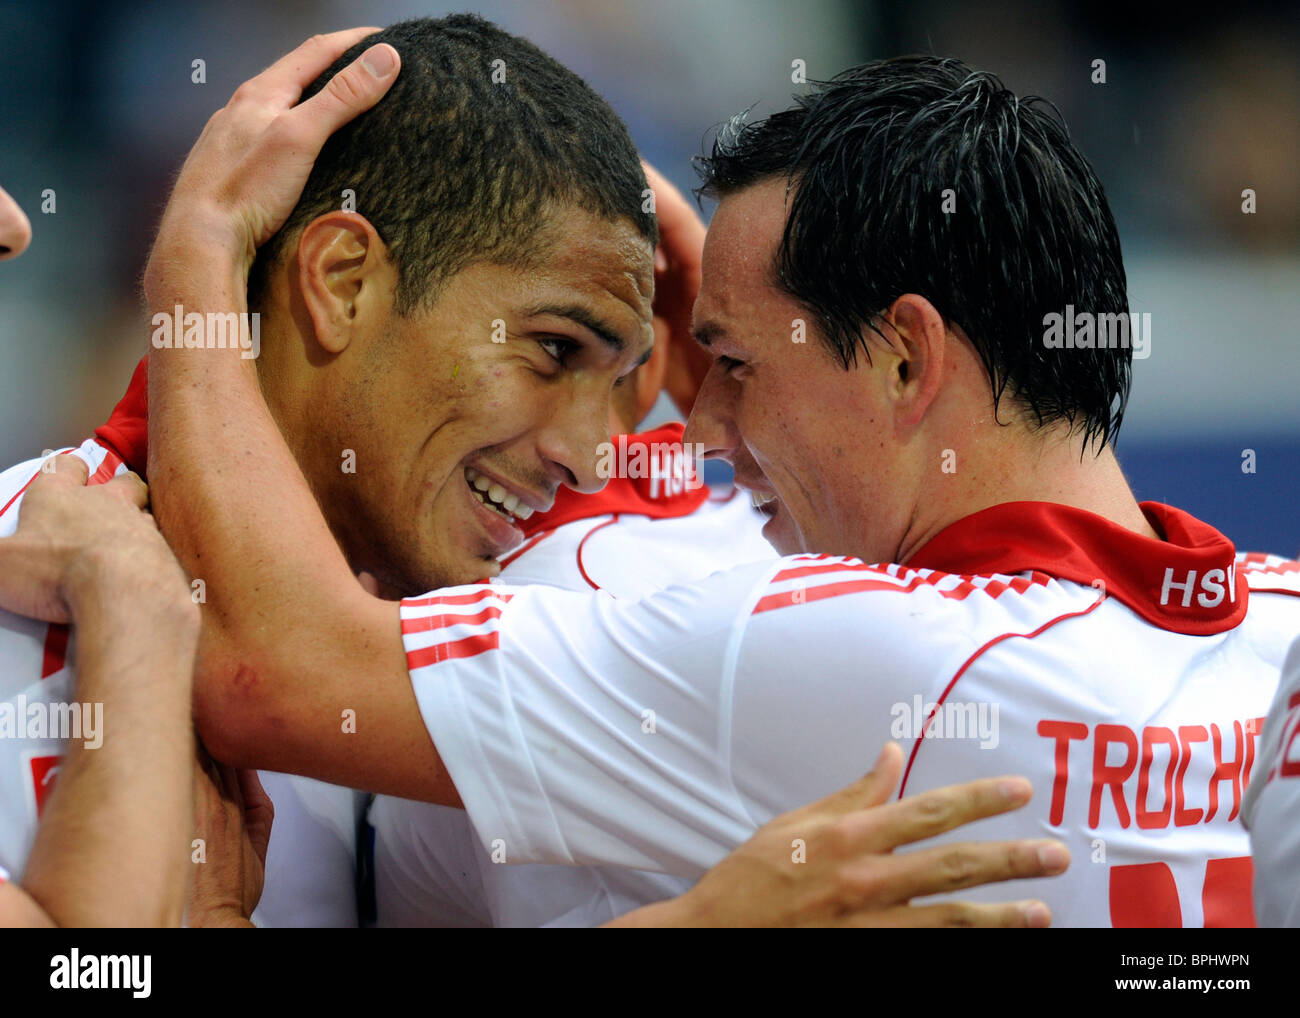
<point>572,439</point>
<point>710,427</point>
<point>15,230</point>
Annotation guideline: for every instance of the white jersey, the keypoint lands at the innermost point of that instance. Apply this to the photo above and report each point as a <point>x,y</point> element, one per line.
<point>1126,677</point>
<point>311,859</point>
<point>1272,806</point>
<point>430,867</point>
<point>35,679</point>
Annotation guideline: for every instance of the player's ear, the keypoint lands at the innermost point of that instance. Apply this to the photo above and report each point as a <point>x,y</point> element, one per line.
<point>343,271</point>
<point>917,335</point>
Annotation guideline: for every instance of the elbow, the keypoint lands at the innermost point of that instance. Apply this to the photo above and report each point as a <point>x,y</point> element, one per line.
<point>235,710</point>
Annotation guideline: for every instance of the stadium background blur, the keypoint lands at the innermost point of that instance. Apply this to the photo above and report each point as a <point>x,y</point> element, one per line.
<point>97,103</point>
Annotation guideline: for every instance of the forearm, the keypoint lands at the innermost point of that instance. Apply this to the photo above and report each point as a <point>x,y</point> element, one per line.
<point>112,847</point>
<point>235,507</point>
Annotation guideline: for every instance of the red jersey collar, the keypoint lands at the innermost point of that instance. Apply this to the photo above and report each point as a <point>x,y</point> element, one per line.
<point>651,475</point>
<point>126,432</point>
<point>1188,583</point>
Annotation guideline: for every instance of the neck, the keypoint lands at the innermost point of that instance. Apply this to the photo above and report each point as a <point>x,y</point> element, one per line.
<point>298,413</point>
<point>1014,464</point>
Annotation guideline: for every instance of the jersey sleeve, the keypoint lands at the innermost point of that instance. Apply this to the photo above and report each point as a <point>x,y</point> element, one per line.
<point>1271,806</point>
<point>580,729</point>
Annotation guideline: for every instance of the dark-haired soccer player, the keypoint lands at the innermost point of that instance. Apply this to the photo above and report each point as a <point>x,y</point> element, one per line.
<point>1026,613</point>
<point>246,173</point>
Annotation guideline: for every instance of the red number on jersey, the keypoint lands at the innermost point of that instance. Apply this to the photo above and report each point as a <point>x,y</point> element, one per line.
<point>1145,895</point>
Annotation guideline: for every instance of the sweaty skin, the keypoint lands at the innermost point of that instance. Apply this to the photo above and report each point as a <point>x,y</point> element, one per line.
<point>292,639</point>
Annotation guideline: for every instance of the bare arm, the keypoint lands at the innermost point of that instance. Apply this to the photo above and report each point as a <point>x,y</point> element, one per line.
<point>110,848</point>
<point>291,642</point>
<point>292,639</point>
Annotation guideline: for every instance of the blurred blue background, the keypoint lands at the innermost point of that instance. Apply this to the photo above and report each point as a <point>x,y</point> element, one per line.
<point>96,103</point>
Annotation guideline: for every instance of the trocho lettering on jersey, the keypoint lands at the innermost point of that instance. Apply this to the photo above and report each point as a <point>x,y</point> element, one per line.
<point>1118,751</point>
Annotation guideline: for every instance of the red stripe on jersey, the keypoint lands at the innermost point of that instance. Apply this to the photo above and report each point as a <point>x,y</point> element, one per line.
<point>970,661</point>
<point>994,588</point>
<point>590,582</point>
<point>795,572</point>
<point>467,647</point>
<point>805,594</point>
<point>18,494</point>
<point>1255,567</point>
<point>474,598</point>
<point>1260,561</point>
<point>107,469</point>
<point>111,462</point>
<point>428,623</point>
<point>55,654</point>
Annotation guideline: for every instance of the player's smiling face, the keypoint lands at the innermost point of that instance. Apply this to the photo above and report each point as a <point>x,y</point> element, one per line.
<point>800,430</point>
<point>466,418</point>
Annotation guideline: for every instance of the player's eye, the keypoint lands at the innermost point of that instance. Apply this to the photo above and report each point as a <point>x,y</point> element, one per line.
<point>729,364</point>
<point>560,349</point>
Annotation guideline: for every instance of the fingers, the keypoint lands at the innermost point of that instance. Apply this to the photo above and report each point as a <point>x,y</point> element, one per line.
<point>681,231</point>
<point>872,789</point>
<point>934,812</point>
<point>349,93</point>
<point>285,79</point>
<point>956,867</point>
<point>64,469</point>
<point>250,787</point>
<point>130,488</point>
<point>259,812</point>
<point>231,789</point>
<point>1011,915</point>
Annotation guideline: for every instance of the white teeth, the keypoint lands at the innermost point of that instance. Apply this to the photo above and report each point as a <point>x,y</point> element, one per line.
<point>496,497</point>
<point>759,499</point>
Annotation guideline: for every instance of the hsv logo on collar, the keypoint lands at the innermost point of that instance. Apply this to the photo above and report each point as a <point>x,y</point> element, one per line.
<point>651,474</point>
<point>1187,583</point>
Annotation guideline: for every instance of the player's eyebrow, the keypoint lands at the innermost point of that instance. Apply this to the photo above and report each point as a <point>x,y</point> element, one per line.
<point>584,317</point>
